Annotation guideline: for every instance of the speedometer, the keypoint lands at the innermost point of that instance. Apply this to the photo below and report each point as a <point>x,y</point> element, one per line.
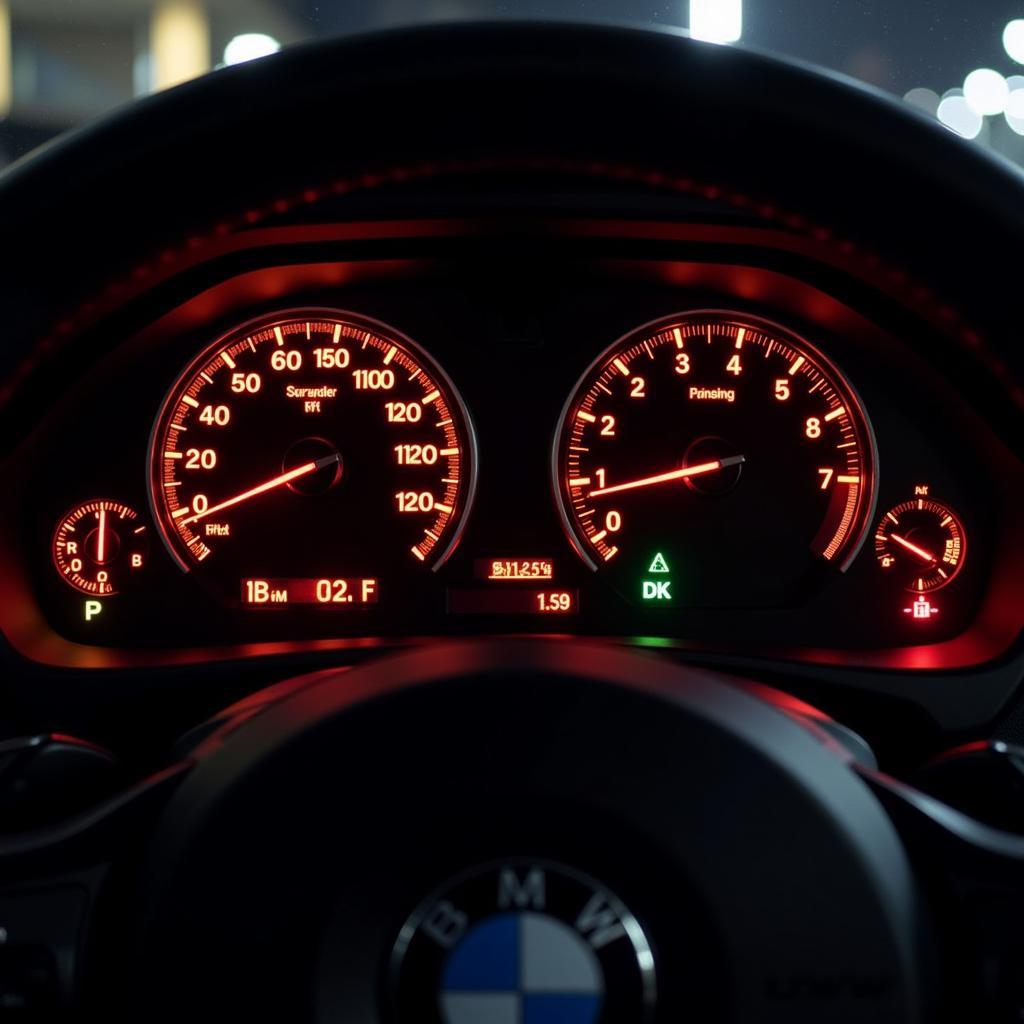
<point>714,459</point>
<point>311,457</point>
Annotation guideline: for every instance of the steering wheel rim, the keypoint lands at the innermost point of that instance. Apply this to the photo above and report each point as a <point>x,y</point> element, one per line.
<point>533,752</point>
<point>685,110</point>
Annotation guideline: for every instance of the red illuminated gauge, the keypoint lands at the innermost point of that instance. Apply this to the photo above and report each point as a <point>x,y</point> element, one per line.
<point>713,459</point>
<point>314,446</point>
<point>921,544</point>
<point>99,546</point>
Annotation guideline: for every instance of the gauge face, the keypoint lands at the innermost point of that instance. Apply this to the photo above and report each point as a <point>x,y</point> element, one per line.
<point>99,546</point>
<point>713,459</point>
<point>314,455</point>
<point>921,544</point>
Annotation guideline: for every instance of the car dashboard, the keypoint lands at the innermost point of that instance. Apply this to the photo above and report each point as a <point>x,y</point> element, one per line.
<point>304,438</point>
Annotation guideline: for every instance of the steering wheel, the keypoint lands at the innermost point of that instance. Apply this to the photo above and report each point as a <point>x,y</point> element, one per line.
<point>652,842</point>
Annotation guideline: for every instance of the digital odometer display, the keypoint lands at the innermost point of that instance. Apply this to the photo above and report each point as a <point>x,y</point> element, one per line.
<point>714,459</point>
<point>312,445</point>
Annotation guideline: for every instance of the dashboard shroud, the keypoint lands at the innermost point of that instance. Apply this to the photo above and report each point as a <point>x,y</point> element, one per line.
<point>513,323</point>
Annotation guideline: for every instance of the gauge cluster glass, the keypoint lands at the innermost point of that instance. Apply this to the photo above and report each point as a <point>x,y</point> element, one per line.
<point>100,547</point>
<point>714,459</point>
<point>278,466</point>
<point>312,457</point>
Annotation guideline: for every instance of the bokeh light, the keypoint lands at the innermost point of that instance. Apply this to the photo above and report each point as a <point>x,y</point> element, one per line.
<point>956,114</point>
<point>986,91</point>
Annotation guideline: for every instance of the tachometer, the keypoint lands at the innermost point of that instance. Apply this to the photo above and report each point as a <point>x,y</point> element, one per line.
<point>311,457</point>
<point>714,459</point>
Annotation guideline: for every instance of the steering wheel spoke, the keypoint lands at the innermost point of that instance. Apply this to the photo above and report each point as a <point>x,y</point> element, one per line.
<point>51,882</point>
<point>976,876</point>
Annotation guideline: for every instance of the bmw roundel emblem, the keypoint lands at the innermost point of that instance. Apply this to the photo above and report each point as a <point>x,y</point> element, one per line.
<point>522,942</point>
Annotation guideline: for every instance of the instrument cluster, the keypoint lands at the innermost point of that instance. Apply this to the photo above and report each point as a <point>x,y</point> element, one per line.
<point>330,451</point>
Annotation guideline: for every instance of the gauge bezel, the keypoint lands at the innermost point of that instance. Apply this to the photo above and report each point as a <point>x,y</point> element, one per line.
<point>70,515</point>
<point>936,504</point>
<point>267,319</point>
<point>851,547</point>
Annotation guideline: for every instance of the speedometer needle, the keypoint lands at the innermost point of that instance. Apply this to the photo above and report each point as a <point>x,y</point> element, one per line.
<point>925,556</point>
<point>677,474</point>
<point>278,481</point>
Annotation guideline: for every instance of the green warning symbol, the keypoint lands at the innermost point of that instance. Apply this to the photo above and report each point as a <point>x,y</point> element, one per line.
<point>659,564</point>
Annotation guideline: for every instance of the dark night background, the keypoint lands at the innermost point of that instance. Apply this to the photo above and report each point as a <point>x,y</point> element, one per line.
<point>63,62</point>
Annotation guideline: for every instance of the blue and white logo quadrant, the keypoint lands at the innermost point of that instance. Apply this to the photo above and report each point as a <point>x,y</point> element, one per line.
<point>522,968</point>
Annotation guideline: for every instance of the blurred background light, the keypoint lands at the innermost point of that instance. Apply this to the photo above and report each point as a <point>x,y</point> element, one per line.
<point>1014,112</point>
<point>986,91</point>
<point>1013,39</point>
<point>955,113</point>
<point>716,21</point>
<point>6,64</point>
<point>250,46</point>
<point>179,41</point>
<point>924,99</point>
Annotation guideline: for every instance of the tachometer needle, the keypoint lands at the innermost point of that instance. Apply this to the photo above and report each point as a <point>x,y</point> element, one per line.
<point>677,474</point>
<point>278,481</point>
<point>925,556</point>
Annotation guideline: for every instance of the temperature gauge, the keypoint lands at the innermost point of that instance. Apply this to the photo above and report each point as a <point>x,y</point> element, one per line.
<point>99,545</point>
<point>922,544</point>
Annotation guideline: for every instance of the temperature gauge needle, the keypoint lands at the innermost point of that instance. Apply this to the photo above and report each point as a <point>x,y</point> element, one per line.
<point>925,556</point>
<point>678,474</point>
<point>268,485</point>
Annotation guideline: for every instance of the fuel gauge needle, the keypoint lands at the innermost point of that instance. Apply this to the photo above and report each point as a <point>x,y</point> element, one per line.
<point>677,474</point>
<point>925,556</point>
<point>268,485</point>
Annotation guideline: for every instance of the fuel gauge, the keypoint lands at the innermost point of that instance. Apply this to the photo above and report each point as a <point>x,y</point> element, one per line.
<point>921,543</point>
<point>99,545</point>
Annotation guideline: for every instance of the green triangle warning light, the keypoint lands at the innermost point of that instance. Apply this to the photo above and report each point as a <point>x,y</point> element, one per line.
<point>659,564</point>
